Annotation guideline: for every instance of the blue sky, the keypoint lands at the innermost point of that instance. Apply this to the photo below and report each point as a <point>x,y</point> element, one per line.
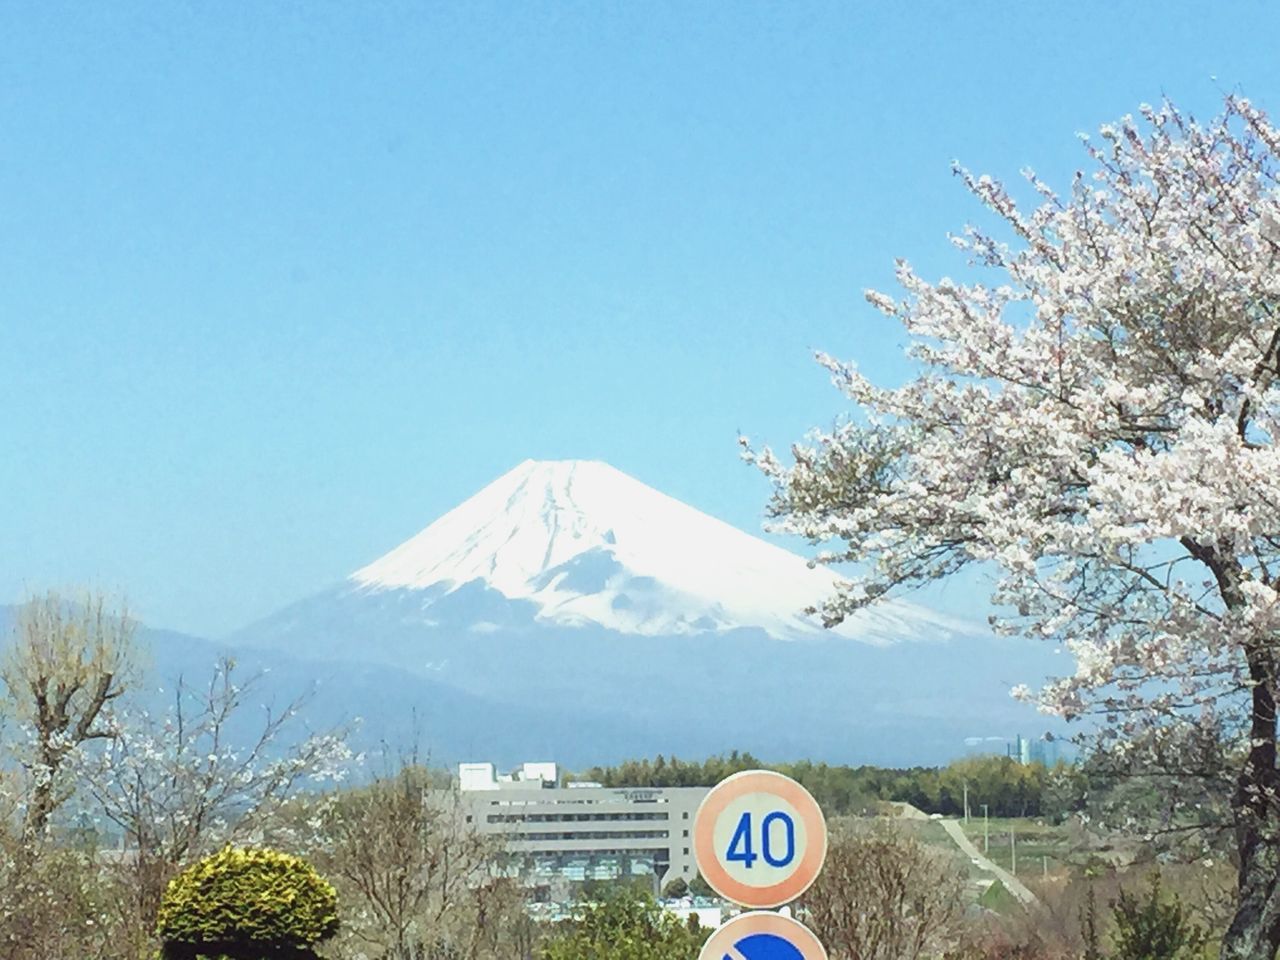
<point>281,283</point>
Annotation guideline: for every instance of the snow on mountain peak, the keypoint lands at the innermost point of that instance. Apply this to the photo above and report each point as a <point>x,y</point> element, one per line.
<point>586,543</point>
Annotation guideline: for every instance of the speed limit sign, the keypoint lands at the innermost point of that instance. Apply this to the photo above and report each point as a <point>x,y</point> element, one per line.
<point>759,839</point>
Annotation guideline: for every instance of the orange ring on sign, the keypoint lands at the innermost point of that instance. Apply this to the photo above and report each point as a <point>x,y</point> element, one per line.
<point>724,940</point>
<point>713,871</point>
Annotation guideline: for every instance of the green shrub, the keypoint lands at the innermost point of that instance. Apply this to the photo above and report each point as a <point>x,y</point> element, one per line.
<point>247,905</point>
<point>626,925</point>
<point>1153,927</point>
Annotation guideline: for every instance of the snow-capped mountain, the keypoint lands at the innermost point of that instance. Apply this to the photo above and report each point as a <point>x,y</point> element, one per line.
<point>614,619</point>
<point>586,544</point>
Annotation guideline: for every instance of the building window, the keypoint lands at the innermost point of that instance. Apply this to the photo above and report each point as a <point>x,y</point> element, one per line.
<point>686,833</point>
<point>686,851</point>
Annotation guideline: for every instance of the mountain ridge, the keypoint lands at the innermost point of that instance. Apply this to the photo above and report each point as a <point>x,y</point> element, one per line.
<point>543,591</point>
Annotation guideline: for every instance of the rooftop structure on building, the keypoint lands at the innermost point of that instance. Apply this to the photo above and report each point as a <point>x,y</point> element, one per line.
<point>483,776</point>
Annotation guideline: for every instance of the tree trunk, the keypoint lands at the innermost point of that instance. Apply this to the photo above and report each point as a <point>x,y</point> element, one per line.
<point>43,799</point>
<point>1254,933</point>
<point>39,809</point>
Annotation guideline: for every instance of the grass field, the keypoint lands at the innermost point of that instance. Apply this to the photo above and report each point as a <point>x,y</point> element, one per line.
<point>1040,847</point>
<point>930,833</point>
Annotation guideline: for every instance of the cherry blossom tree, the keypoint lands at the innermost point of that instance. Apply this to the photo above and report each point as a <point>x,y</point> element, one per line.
<point>1095,416</point>
<point>181,784</point>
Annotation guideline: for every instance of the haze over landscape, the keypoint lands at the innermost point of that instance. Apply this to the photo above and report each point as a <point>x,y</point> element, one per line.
<point>569,610</point>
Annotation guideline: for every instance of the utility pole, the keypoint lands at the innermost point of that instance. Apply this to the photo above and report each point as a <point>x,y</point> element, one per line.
<point>1013,853</point>
<point>966,801</point>
<point>986,830</point>
<point>1045,860</point>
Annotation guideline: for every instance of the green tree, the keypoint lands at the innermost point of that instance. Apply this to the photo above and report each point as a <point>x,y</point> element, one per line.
<point>699,887</point>
<point>676,888</point>
<point>1152,927</point>
<point>1065,791</point>
<point>625,926</point>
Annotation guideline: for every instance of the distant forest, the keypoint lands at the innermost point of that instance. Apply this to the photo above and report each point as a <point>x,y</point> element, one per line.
<point>1007,787</point>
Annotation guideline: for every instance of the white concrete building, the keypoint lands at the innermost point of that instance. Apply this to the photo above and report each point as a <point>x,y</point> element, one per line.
<point>581,831</point>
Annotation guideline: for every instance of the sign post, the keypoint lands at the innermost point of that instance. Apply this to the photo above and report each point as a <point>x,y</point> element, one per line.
<point>760,840</point>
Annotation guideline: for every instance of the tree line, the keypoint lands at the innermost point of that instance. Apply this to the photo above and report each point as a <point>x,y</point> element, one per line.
<point>1007,788</point>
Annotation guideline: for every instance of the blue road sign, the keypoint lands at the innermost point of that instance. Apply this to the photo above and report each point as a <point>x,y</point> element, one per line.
<point>762,936</point>
<point>765,946</point>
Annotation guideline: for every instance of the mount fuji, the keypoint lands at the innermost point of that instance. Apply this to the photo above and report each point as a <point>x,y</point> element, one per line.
<point>612,619</point>
<point>586,544</point>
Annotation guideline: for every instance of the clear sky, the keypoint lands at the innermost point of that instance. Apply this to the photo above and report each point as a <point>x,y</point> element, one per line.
<point>281,283</point>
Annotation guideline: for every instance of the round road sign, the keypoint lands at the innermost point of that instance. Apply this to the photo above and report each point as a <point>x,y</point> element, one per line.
<point>759,839</point>
<point>763,936</point>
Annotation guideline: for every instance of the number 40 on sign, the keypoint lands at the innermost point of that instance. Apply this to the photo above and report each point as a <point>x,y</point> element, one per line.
<point>759,839</point>
<point>741,846</point>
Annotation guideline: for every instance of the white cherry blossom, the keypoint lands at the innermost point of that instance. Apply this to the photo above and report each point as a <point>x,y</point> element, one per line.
<point>1095,417</point>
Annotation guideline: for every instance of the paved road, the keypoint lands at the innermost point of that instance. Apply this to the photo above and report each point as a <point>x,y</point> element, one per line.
<point>1011,883</point>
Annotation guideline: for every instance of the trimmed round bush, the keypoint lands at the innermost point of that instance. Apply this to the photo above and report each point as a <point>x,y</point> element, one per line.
<point>247,904</point>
